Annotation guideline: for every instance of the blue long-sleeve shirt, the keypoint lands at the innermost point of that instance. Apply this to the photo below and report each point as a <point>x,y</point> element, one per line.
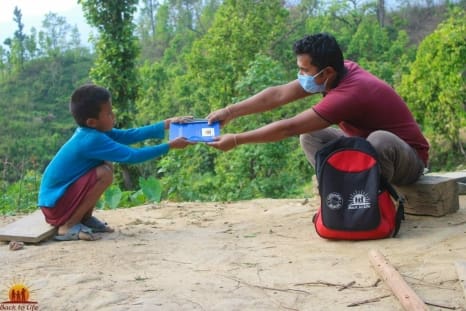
<point>88,148</point>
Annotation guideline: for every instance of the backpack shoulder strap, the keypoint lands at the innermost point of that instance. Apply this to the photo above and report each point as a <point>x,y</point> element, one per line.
<point>400,212</point>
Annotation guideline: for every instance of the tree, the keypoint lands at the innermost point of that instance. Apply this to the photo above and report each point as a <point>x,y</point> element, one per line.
<point>19,37</point>
<point>272,170</point>
<point>31,45</point>
<point>55,33</point>
<point>155,30</point>
<point>381,12</point>
<point>378,50</point>
<point>240,31</point>
<point>435,87</point>
<point>3,63</point>
<point>16,45</point>
<point>116,50</point>
<point>161,23</point>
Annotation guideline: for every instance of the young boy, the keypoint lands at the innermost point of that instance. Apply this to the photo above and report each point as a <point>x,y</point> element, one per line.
<point>81,170</point>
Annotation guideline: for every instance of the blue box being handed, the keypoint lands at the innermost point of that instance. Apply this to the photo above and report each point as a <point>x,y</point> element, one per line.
<point>197,130</point>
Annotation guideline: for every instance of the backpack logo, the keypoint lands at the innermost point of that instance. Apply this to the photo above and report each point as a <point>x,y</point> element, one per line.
<point>334,200</point>
<point>359,200</point>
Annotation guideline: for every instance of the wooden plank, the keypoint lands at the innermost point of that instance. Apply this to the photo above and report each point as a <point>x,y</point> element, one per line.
<point>31,228</point>
<point>459,176</point>
<point>393,279</point>
<point>461,270</point>
<point>461,188</point>
<point>431,195</point>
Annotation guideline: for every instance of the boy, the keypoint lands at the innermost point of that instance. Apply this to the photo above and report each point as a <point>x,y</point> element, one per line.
<point>81,170</point>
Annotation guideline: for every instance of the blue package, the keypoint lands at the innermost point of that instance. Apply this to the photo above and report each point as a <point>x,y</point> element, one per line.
<point>197,130</point>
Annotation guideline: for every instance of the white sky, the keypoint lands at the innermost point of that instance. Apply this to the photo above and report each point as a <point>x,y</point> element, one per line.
<point>34,11</point>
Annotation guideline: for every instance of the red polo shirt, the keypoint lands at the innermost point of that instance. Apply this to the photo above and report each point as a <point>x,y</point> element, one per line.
<point>362,104</point>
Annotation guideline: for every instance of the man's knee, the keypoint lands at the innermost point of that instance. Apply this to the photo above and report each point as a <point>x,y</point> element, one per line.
<point>379,139</point>
<point>304,139</point>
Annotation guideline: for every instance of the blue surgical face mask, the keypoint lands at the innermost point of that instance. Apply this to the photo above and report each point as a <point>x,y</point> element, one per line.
<point>309,84</point>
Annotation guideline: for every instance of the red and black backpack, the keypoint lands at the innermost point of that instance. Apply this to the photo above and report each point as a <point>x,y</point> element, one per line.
<point>356,201</point>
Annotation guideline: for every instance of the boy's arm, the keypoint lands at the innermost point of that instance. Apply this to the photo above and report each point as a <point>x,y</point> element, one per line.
<point>157,130</point>
<point>106,149</point>
<point>135,135</point>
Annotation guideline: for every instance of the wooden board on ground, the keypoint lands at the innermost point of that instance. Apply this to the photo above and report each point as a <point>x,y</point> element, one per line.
<point>431,196</point>
<point>434,194</point>
<point>31,228</point>
<point>459,176</point>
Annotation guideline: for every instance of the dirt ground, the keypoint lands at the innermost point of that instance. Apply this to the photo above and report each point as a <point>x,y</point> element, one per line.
<point>249,255</point>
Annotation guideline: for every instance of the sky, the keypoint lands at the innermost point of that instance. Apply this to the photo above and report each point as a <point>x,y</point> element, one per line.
<point>34,11</point>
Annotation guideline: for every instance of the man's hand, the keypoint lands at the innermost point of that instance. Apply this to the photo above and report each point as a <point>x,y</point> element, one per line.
<point>225,142</point>
<point>182,119</point>
<point>223,115</point>
<point>179,143</point>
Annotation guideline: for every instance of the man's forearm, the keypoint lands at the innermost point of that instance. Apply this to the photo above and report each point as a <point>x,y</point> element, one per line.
<point>268,99</point>
<point>269,133</point>
<point>262,101</point>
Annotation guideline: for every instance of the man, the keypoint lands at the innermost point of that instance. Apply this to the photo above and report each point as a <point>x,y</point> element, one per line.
<point>355,100</point>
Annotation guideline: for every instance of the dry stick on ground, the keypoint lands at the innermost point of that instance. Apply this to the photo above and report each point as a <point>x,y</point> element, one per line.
<point>441,306</point>
<point>407,297</point>
<point>286,290</point>
<point>347,286</point>
<point>355,304</point>
<point>269,288</point>
<point>340,285</point>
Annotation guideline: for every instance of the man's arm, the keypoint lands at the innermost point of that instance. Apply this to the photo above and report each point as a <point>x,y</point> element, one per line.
<point>268,99</point>
<point>305,122</point>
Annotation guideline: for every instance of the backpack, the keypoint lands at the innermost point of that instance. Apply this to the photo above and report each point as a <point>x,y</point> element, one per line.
<point>356,201</point>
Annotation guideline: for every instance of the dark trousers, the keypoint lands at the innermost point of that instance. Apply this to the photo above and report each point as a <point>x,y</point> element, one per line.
<point>399,162</point>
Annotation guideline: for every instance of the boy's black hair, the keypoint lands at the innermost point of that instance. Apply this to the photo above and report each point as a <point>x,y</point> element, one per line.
<point>323,50</point>
<point>86,102</point>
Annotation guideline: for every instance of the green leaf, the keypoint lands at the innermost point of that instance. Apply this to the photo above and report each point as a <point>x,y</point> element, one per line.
<point>112,197</point>
<point>138,197</point>
<point>151,188</point>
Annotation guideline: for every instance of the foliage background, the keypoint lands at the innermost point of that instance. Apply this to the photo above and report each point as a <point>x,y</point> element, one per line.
<point>189,57</point>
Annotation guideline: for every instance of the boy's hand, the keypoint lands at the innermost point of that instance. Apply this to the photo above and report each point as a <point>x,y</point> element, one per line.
<point>179,143</point>
<point>182,119</point>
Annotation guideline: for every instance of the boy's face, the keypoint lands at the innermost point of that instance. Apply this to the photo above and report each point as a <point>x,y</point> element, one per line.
<point>106,119</point>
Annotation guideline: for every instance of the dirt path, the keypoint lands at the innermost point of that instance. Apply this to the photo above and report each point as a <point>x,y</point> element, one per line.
<point>251,255</point>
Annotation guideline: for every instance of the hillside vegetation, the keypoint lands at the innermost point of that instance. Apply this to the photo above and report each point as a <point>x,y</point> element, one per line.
<point>197,56</point>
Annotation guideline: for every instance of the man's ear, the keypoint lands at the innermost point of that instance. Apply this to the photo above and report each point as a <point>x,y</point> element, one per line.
<point>91,122</point>
<point>329,70</point>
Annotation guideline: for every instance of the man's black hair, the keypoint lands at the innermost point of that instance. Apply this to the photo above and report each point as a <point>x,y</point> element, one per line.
<point>86,102</point>
<point>323,50</point>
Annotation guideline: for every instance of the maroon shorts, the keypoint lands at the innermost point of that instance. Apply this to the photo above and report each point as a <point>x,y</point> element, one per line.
<point>69,202</point>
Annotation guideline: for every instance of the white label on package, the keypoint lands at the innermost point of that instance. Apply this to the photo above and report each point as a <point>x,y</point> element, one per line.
<point>208,131</point>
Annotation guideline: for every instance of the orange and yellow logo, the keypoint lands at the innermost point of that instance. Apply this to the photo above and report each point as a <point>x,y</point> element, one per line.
<point>19,299</point>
